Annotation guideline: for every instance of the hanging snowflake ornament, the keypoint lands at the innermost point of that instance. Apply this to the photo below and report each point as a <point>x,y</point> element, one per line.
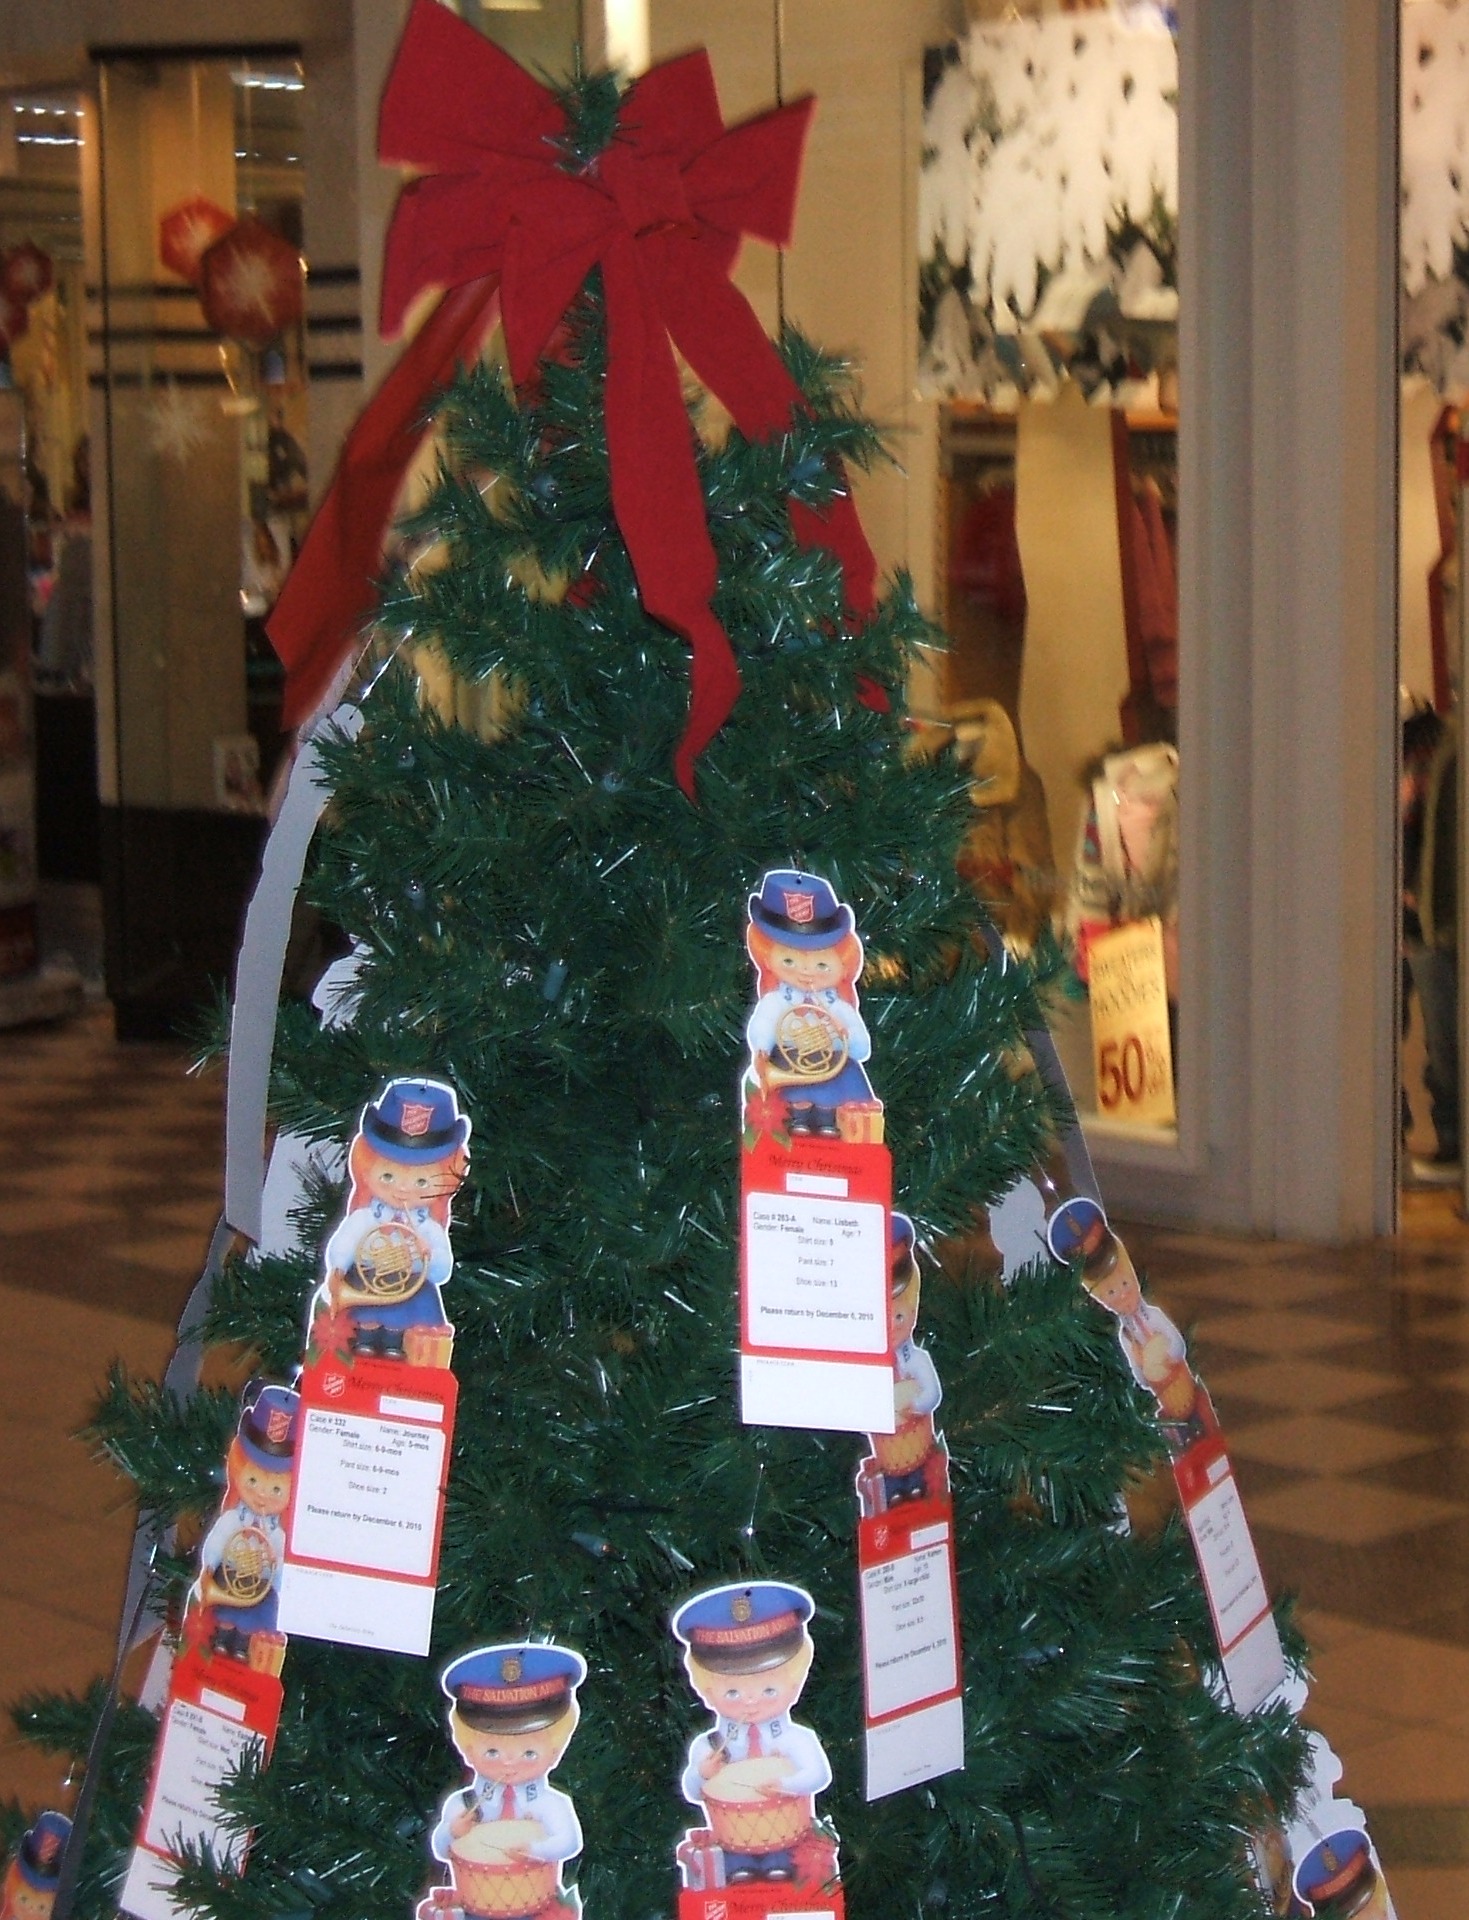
<point>186,231</point>
<point>26,272</point>
<point>251,284</point>
<point>178,423</point>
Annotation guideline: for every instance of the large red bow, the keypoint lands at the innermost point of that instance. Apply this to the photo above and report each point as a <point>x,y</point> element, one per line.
<point>496,218</point>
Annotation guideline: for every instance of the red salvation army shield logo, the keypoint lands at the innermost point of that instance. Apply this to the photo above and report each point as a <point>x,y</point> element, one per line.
<point>277,1426</point>
<point>800,908</point>
<point>416,1118</point>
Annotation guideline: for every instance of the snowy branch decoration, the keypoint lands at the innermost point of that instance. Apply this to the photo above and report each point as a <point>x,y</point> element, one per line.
<point>1048,197</point>
<point>1435,193</point>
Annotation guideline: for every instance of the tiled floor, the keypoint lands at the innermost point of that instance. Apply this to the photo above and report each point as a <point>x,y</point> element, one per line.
<point>1342,1378</point>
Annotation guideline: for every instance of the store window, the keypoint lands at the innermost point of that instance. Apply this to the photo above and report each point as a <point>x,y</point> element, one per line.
<point>201,381</point>
<point>48,788</point>
<point>1049,333</point>
<point>1432,633</point>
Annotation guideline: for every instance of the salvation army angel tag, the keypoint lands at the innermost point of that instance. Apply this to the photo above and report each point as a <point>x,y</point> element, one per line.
<point>506,1836</point>
<point>378,1392</point>
<point>756,1772</point>
<point>807,1076</point>
<point>390,1255</point>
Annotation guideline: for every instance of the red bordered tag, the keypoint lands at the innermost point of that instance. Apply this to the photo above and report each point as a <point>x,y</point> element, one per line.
<point>1244,1626</point>
<point>754,1902</point>
<point>217,1715</point>
<point>815,1349</point>
<point>911,1670</point>
<point>367,1503</point>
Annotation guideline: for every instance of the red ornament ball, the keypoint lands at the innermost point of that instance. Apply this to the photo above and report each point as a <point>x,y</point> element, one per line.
<point>26,273</point>
<point>251,284</point>
<point>186,230</point>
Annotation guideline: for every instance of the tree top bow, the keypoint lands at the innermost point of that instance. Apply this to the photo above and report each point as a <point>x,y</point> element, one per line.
<point>497,220</point>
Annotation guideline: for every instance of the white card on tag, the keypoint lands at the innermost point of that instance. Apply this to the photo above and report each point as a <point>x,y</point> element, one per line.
<point>910,1647</point>
<point>815,1343</point>
<point>1244,1626</point>
<point>362,1535</point>
<point>217,1715</point>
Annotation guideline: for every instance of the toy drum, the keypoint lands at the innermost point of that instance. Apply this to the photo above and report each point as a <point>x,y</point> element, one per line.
<point>492,1880</point>
<point>743,1820</point>
<point>906,1450</point>
<point>1176,1392</point>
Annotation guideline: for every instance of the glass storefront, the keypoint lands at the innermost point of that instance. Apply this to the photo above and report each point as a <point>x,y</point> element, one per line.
<point>201,380</point>
<point>1048,298</point>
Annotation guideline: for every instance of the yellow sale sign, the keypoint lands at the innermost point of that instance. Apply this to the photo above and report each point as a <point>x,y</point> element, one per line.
<point>1130,1041</point>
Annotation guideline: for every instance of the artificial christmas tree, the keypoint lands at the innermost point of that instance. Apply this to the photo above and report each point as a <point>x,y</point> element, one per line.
<point>548,924</point>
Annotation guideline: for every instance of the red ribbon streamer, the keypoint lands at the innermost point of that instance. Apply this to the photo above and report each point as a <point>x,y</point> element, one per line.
<point>494,215</point>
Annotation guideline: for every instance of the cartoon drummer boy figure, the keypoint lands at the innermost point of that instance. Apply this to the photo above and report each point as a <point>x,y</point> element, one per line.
<point>910,1463</point>
<point>513,1710</point>
<point>1155,1349</point>
<point>242,1554</point>
<point>755,1773</point>
<point>807,1039</point>
<point>34,1874</point>
<point>390,1255</point>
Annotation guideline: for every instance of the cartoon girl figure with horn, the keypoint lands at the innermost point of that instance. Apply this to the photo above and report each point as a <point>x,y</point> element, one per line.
<point>807,1039</point>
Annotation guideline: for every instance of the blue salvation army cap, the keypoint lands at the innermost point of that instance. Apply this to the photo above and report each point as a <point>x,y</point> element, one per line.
<point>414,1121</point>
<point>800,910</point>
<point>744,1629</point>
<point>513,1689</point>
<point>267,1429</point>
<point>38,1858</point>
<point>1337,1873</point>
<point>1077,1229</point>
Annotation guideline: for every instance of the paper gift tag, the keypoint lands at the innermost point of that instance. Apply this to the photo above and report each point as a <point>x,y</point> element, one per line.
<point>905,1560</point>
<point>762,1846</point>
<point>815,1178</point>
<point>367,1503</point>
<point>814,1343</point>
<point>1157,1357</point>
<point>1244,1626</point>
<point>506,1835</point>
<point>910,1647</point>
<point>218,1714</point>
<point>1322,1861</point>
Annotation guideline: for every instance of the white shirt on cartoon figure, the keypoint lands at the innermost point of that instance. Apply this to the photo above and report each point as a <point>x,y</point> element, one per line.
<point>341,1249</point>
<point>810,1769</point>
<point>912,1364</point>
<point>771,1009</point>
<point>534,1800</point>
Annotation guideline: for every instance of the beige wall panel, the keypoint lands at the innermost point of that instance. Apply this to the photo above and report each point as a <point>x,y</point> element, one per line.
<point>850,275</point>
<point>1075,643</point>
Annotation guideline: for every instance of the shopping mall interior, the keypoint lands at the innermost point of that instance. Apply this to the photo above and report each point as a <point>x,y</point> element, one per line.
<point>1163,311</point>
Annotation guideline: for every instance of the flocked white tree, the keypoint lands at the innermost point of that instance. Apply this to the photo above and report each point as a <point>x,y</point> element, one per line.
<point>1043,141</point>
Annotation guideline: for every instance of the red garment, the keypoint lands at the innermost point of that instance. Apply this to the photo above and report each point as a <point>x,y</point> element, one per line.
<point>1157,594</point>
<point>986,559</point>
